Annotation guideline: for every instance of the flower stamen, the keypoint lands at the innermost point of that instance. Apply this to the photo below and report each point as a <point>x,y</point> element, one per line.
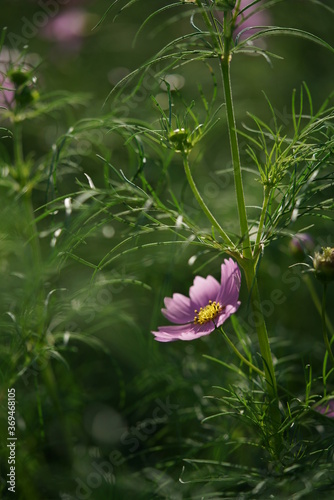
<point>207,313</point>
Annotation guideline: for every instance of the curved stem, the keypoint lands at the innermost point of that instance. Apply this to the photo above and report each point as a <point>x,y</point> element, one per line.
<point>261,331</point>
<point>238,353</point>
<point>317,302</point>
<point>324,325</point>
<point>202,204</point>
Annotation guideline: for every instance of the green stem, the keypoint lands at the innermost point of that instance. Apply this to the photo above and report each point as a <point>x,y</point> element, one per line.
<point>324,325</point>
<point>261,331</point>
<point>202,204</point>
<point>18,150</point>
<point>238,353</point>
<point>28,218</point>
<point>274,417</point>
<point>329,326</point>
<point>324,373</point>
<point>317,303</point>
<point>249,261</point>
<point>225,68</point>
<point>37,281</point>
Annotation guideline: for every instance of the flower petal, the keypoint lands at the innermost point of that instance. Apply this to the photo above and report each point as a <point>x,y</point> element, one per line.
<point>178,309</point>
<point>183,332</point>
<point>203,290</point>
<point>230,283</point>
<point>226,313</point>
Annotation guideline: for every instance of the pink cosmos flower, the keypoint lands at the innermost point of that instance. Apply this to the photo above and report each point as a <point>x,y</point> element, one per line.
<point>209,304</point>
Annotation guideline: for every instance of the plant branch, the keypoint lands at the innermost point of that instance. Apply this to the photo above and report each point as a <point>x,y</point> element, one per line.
<point>266,198</point>
<point>238,353</point>
<point>202,204</point>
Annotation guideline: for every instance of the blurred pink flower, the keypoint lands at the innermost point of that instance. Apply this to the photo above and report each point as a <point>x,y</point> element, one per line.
<point>7,94</point>
<point>261,18</point>
<point>326,409</point>
<point>209,304</point>
<point>67,28</point>
<point>301,244</point>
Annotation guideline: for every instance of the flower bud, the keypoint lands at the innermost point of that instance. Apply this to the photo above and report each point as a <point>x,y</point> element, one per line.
<point>26,96</point>
<point>324,265</point>
<point>180,141</point>
<point>25,92</point>
<point>19,77</point>
<point>301,245</point>
<point>225,4</point>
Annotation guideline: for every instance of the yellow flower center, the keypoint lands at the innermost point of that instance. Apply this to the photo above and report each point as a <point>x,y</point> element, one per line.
<point>207,313</point>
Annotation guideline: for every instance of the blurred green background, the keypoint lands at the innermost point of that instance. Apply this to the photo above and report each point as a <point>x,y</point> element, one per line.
<point>134,408</point>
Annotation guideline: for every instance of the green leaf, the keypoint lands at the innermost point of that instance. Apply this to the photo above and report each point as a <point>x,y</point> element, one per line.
<point>162,9</point>
<point>226,365</point>
<point>274,31</point>
<point>105,14</point>
<point>50,102</point>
